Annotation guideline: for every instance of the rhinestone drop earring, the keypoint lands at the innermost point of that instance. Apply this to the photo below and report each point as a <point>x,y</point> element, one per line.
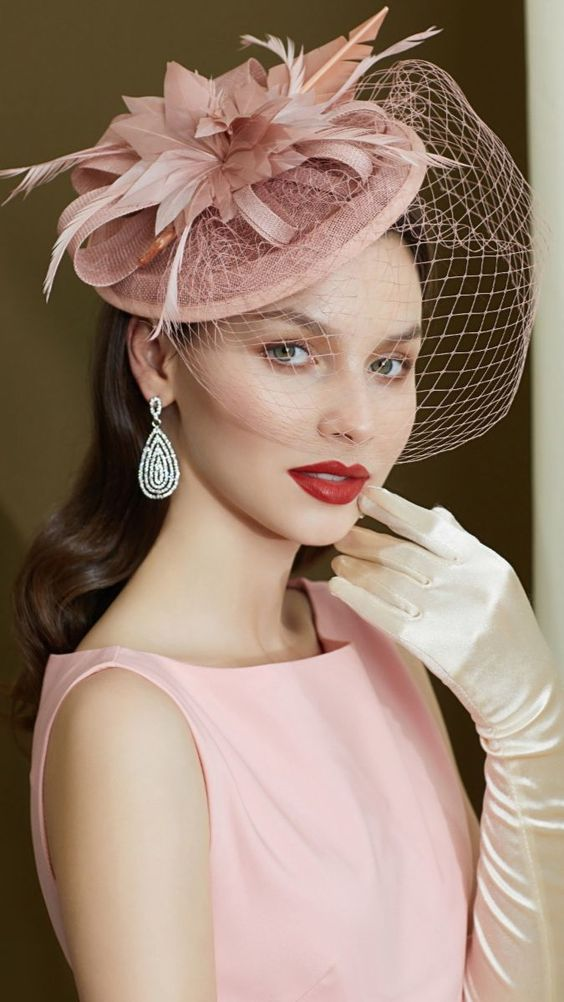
<point>158,471</point>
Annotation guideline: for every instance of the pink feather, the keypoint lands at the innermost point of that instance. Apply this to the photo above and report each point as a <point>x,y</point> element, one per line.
<point>366,32</point>
<point>105,196</point>
<point>294,64</point>
<point>41,173</point>
<point>407,43</point>
<point>365,64</point>
<point>69,232</point>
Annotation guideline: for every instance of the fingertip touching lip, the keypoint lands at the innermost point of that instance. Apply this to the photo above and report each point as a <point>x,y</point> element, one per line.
<point>334,466</point>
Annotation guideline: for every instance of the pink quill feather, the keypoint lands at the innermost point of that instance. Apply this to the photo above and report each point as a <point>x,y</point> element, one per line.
<point>365,32</point>
<point>365,64</point>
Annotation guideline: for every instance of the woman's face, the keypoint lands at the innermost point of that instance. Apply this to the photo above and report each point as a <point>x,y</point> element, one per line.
<point>349,395</point>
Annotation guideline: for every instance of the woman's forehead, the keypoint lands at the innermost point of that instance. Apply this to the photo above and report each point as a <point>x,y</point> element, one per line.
<point>335,327</point>
<point>382,280</point>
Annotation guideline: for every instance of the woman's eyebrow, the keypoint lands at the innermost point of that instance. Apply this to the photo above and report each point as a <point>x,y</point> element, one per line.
<point>298,319</point>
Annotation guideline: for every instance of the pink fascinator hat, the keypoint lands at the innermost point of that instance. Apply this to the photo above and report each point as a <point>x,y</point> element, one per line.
<point>226,195</point>
<point>236,174</point>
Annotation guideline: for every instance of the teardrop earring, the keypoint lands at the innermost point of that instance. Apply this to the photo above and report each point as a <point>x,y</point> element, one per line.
<point>158,471</point>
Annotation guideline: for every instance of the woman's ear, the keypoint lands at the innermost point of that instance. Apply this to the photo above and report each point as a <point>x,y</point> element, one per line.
<point>150,361</point>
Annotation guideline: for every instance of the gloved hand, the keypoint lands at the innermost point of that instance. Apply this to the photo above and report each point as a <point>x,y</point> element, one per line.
<point>460,608</point>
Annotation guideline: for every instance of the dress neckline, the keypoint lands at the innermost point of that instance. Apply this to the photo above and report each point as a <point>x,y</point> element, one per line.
<point>336,647</point>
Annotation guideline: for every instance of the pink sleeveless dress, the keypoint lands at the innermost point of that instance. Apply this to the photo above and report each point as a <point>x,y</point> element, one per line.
<point>341,860</point>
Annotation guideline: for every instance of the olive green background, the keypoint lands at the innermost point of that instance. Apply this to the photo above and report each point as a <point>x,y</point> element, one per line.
<point>63,67</point>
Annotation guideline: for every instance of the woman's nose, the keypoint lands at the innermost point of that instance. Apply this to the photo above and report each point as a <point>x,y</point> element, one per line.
<point>351,410</point>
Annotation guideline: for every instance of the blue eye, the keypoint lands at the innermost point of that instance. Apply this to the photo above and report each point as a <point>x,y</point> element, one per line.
<point>284,346</point>
<point>404,363</point>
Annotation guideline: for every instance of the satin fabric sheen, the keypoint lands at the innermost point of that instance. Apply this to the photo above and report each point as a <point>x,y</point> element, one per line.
<point>471,623</point>
<point>341,861</point>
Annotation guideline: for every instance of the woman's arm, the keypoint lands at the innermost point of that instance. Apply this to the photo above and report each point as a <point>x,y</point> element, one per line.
<point>128,832</point>
<point>460,608</point>
<point>505,864</point>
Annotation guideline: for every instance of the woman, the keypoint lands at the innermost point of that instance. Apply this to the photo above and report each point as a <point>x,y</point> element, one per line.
<point>242,786</point>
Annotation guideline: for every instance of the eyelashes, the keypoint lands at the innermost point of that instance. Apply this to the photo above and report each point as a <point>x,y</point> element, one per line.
<point>290,363</point>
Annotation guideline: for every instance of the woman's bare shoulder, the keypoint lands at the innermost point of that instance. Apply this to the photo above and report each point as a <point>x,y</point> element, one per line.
<point>127,828</point>
<point>117,716</point>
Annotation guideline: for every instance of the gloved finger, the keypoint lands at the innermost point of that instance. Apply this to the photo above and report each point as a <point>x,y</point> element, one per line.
<point>397,624</point>
<point>428,527</point>
<point>399,554</point>
<point>448,514</point>
<point>401,590</point>
<point>372,608</point>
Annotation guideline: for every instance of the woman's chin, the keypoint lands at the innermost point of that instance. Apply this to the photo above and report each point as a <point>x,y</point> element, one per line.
<point>325,532</point>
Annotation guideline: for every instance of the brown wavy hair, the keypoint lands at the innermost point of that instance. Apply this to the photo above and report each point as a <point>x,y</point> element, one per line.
<point>86,549</point>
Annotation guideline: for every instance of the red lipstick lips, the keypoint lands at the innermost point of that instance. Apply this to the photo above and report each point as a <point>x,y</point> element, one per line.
<point>327,489</point>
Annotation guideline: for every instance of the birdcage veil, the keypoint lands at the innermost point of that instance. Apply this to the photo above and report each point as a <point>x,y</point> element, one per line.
<point>234,214</point>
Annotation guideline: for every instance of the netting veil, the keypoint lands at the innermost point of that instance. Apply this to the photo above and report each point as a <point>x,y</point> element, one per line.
<point>322,242</point>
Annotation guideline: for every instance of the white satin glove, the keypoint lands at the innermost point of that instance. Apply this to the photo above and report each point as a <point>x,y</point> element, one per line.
<point>460,608</point>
